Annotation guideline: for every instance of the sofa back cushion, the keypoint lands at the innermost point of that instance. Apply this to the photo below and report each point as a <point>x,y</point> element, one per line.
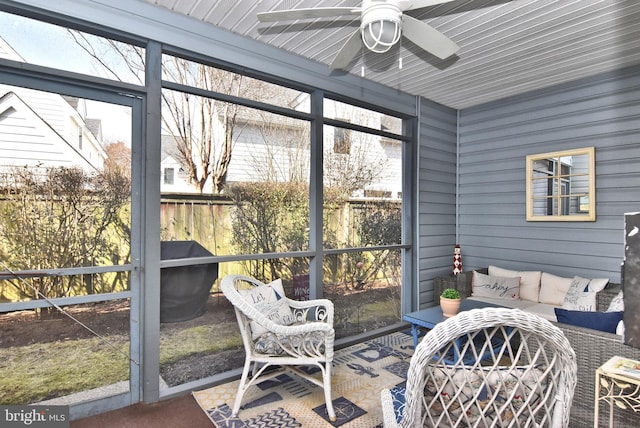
<point>553,289</point>
<point>529,281</point>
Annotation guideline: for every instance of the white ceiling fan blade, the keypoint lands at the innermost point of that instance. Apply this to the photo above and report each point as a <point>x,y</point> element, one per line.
<point>417,4</point>
<point>348,51</point>
<point>428,38</point>
<point>311,13</point>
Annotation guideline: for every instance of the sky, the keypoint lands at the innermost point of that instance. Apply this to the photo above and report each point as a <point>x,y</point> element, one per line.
<point>52,46</point>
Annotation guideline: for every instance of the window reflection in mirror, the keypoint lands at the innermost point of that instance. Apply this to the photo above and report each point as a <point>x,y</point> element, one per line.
<point>561,186</point>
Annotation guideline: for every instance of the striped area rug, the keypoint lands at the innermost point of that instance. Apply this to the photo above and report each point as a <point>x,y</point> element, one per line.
<point>360,372</point>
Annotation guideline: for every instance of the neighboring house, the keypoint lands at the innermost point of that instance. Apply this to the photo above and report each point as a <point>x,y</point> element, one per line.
<point>276,148</point>
<point>173,178</point>
<point>47,129</point>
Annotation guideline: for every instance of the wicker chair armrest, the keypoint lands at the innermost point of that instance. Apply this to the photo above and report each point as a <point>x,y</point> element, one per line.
<point>287,330</point>
<point>252,313</point>
<point>320,303</point>
<point>579,333</point>
<point>388,413</point>
<point>321,310</point>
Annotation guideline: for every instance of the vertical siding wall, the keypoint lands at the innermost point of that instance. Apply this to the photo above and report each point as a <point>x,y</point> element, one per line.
<point>603,112</point>
<point>436,195</point>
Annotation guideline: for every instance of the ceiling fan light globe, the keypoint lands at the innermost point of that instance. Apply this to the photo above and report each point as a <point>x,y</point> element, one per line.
<point>380,35</point>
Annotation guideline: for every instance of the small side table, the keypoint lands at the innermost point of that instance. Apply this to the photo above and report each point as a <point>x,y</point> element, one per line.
<point>615,386</point>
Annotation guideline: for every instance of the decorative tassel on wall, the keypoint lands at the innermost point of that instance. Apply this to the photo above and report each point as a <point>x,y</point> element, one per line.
<point>457,260</point>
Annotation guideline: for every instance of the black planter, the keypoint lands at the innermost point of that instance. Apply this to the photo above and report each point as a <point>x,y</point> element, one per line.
<point>184,290</point>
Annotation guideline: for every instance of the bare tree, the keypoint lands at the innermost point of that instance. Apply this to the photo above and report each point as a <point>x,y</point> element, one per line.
<point>118,158</point>
<point>192,120</point>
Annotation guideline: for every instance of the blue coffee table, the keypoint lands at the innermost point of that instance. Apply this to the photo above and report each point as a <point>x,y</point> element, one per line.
<point>429,317</point>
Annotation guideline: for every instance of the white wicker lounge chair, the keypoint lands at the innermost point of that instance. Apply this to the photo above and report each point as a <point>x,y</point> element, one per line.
<point>505,368</point>
<point>307,341</point>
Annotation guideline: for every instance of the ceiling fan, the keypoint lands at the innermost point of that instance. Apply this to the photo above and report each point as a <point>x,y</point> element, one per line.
<point>382,23</point>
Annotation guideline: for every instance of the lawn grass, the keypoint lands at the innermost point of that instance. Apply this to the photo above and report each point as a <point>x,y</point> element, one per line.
<point>205,338</point>
<point>42,371</point>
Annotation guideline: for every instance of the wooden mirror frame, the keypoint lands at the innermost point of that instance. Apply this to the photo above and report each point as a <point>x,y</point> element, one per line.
<point>580,203</point>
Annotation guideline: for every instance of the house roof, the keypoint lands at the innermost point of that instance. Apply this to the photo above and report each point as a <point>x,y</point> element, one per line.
<point>507,47</point>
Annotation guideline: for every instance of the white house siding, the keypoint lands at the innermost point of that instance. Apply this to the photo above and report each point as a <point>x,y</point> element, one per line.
<point>180,180</point>
<point>255,159</point>
<point>47,115</point>
<point>25,139</point>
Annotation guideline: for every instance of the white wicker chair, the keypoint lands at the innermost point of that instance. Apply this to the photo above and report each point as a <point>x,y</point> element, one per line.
<point>309,341</point>
<point>520,372</point>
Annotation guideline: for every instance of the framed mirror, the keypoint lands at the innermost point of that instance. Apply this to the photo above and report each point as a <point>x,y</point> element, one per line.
<point>561,186</point>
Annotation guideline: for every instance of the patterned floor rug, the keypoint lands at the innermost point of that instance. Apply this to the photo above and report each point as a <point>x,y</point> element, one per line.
<point>359,373</point>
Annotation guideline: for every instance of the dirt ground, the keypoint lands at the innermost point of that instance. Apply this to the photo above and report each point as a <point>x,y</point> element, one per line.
<point>107,318</point>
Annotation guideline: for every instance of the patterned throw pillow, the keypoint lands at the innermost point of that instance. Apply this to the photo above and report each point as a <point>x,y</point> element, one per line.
<point>496,287</point>
<point>514,385</point>
<point>529,281</point>
<point>446,387</point>
<point>472,389</point>
<point>582,301</point>
<point>268,299</point>
<point>578,298</point>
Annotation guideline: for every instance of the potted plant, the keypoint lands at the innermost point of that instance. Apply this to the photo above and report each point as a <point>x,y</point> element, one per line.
<point>450,302</point>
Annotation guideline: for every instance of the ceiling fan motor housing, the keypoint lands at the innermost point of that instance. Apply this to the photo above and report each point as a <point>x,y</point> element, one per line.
<point>381,25</point>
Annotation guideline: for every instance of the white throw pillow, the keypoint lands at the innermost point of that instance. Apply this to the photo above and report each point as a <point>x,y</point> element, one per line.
<point>598,284</point>
<point>529,281</point>
<point>594,284</point>
<point>582,301</point>
<point>553,289</point>
<point>578,298</point>
<point>617,303</point>
<point>268,299</point>
<point>578,285</point>
<point>497,287</point>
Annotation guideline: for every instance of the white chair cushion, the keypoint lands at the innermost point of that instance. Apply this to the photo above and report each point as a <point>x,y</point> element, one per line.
<point>270,344</point>
<point>268,299</point>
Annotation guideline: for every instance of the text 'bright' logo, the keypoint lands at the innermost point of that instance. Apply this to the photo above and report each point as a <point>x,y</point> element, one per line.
<point>26,416</point>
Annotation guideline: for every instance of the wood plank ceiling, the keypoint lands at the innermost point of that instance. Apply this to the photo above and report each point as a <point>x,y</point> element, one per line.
<point>506,47</point>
